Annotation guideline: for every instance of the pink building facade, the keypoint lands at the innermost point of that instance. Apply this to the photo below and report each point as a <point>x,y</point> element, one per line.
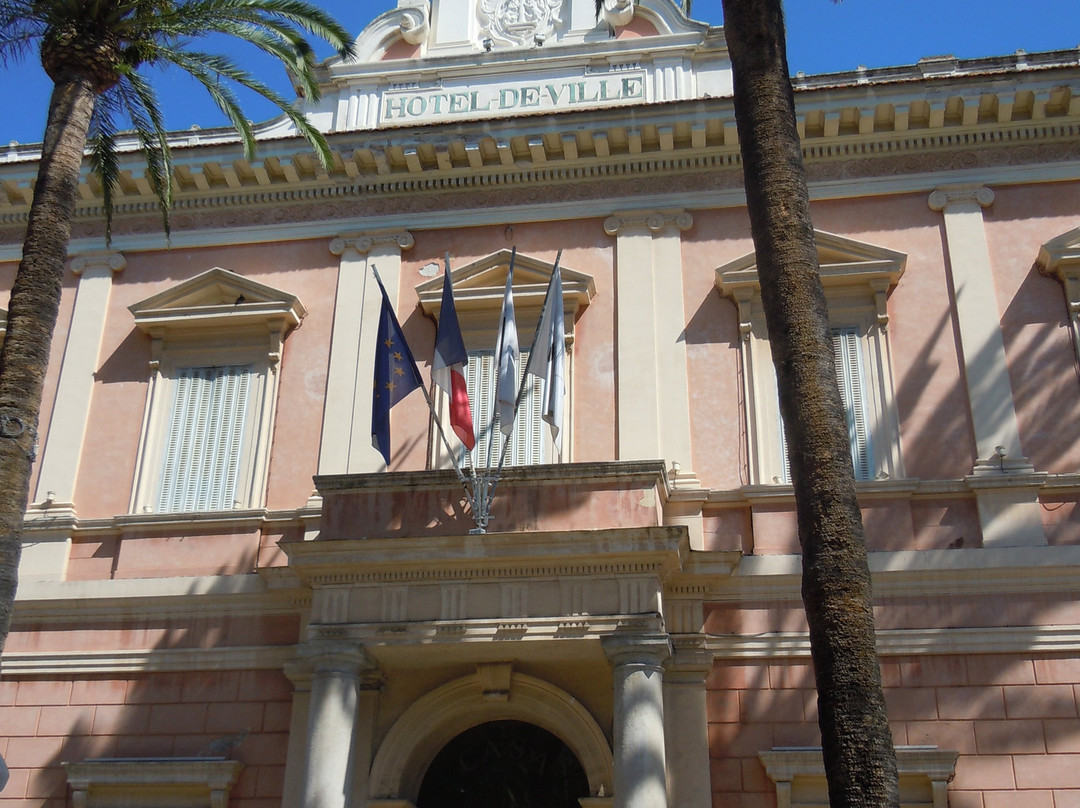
<point>228,599</point>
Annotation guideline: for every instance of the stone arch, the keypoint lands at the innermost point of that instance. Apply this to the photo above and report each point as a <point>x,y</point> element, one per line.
<point>434,720</point>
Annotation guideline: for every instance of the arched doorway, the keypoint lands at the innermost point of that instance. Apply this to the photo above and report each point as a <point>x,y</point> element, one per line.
<point>504,764</point>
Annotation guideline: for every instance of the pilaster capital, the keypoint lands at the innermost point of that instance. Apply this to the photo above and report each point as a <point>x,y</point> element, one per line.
<point>363,243</point>
<point>333,658</point>
<point>105,259</point>
<point>653,221</point>
<point>690,663</point>
<point>942,199</point>
<point>639,650</point>
<point>299,672</point>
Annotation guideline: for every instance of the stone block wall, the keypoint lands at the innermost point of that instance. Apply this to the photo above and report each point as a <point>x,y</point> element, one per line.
<point>49,721</point>
<point>1012,717</point>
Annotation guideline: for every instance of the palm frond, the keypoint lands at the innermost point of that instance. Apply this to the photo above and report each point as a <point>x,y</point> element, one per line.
<point>18,33</point>
<point>296,56</point>
<point>299,13</point>
<point>206,68</point>
<point>160,33</point>
<point>289,17</point>
<point>103,158</point>
<point>142,108</point>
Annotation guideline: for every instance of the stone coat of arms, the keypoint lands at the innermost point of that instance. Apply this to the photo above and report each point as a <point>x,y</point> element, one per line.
<point>519,22</point>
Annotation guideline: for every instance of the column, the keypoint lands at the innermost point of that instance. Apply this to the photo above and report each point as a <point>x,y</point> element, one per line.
<point>346,434</point>
<point>640,766</point>
<point>55,494</point>
<point>1005,485</point>
<point>332,721</point>
<point>653,397</point>
<point>687,728</point>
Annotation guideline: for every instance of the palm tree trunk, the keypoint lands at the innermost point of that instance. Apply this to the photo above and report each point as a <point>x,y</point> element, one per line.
<point>35,300</point>
<point>860,762</point>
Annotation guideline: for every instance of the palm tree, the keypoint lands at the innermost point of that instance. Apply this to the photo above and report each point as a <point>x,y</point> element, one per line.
<point>860,763</point>
<point>96,52</point>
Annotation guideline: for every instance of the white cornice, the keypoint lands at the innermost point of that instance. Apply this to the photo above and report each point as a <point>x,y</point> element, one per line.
<point>846,140</point>
<point>118,599</point>
<point>375,635</point>
<point>718,187</point>
<point>901,488</point>
<point>994,640</point>
<point>918,573</point>
<point>81,662</point>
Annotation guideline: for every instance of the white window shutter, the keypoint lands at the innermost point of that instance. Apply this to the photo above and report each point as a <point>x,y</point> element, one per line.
<point>847,361</point>
<point>526,441</point>
<point>479,383</point>
<point>201,461</point>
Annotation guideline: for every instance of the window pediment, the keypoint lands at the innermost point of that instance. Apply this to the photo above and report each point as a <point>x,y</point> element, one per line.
<point>479,286</point>
<point>847,267</point>
<point>217,300</point>
<point>799,774</point>
<point>115,782</point>
<point>1060,258</point>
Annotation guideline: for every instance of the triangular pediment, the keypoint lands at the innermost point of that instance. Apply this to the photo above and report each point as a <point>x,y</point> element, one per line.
<point>843,261</point>
<point>218,298</point>
<point>1060,251</point>
<point>479,286</point>
<point>1060,258</point>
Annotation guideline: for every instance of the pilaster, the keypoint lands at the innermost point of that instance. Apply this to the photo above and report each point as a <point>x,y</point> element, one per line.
<point>639,736</point>
<point>653,397</point>
<point>299,672</point>
<point>686,729</point>
<point>1009,514</point>
<point>55,494</point>
<point>346,434</point>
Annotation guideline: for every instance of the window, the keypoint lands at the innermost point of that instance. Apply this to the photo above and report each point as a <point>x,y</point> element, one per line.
<point>205,438</point>
<point>1060,258</point>
<point>857,278</point>
<point>478,293</point>
<point>215,346</point>
<point>799,775</point>
<point>848,363</point>
<point>529,442</point>
<point>115,782</point>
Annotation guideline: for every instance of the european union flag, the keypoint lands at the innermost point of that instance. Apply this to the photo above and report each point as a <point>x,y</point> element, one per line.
<point>396,375</point>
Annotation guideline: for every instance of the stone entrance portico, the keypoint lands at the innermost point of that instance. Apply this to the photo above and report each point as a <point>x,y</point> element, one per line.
<point>559,623</point>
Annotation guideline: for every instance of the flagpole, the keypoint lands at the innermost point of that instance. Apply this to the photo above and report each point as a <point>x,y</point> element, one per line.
<point>496,363</point>
<point>532,352</point>
<point>431,406</point>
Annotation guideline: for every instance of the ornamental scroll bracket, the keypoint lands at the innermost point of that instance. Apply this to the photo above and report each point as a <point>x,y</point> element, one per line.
<point>364,243</point>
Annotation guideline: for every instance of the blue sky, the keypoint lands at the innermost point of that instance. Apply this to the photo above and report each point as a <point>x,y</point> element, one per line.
<point>823,36</point>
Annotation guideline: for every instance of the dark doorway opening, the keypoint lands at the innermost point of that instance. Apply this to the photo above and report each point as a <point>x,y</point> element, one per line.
<point>504,764</point>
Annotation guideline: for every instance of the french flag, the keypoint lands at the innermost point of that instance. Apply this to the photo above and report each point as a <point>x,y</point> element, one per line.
<point>448,366</point>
